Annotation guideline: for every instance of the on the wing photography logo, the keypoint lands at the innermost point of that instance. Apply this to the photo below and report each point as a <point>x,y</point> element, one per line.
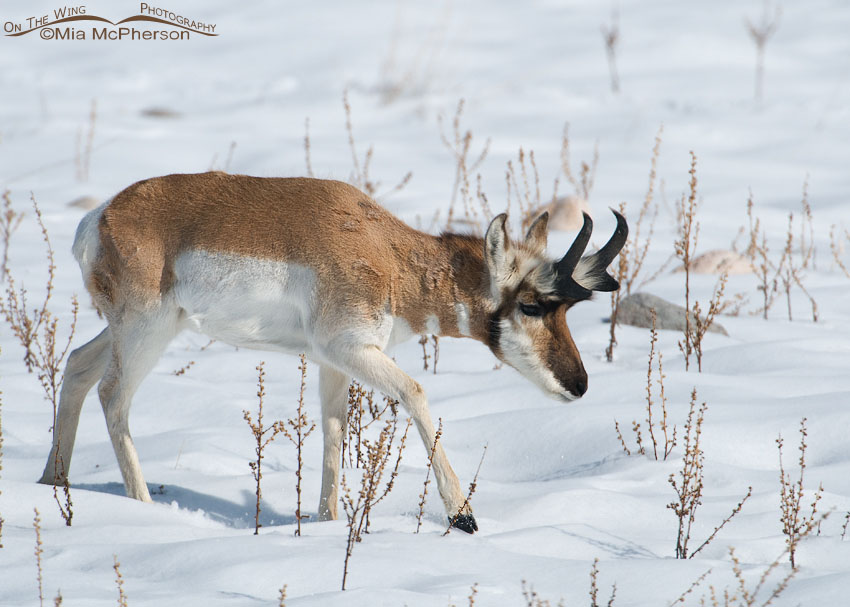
<point>70,23</point>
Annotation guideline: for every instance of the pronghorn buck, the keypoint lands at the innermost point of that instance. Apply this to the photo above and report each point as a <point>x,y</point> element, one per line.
<point>313,266</point>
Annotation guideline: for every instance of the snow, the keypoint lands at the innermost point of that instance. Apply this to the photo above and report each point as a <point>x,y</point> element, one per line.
<point>556,490</point>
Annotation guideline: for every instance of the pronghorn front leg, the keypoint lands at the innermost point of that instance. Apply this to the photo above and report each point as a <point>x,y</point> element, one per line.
<point>371,365</point>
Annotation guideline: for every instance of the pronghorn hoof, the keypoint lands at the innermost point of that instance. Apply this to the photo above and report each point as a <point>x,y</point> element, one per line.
<point>465,522</point>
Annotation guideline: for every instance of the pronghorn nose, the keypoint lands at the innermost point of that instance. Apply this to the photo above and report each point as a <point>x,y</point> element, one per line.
<point>581,387</point>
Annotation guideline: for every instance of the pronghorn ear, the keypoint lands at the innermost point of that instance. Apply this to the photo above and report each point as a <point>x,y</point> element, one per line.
<point>497,247</point>
<point>537,235</point>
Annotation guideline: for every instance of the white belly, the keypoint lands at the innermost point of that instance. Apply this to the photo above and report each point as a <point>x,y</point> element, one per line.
<point>253,303</point>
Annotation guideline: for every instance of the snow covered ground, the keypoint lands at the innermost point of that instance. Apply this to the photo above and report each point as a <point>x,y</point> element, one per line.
<point>556,489</point>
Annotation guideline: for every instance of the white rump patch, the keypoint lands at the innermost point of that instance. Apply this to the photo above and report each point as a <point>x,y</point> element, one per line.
<point>87,239</point>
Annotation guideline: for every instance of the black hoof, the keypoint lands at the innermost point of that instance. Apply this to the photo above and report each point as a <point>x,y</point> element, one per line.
<point>465,522</point>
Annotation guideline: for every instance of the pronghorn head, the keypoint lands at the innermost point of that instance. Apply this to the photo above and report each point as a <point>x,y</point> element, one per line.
<point>530,295</point>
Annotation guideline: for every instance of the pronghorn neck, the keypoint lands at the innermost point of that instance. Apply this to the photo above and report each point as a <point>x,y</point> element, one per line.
<point>444,289</point>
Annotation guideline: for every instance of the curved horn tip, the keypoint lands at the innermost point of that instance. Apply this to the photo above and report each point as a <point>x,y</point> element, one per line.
<point>621,221</point>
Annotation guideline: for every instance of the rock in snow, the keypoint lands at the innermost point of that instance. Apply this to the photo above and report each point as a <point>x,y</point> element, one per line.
<point>635,310</point>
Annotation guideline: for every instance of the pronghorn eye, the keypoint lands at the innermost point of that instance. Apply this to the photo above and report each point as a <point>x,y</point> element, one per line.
<point>531,309</point>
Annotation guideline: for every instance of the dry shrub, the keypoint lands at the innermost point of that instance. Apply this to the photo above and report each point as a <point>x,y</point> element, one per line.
<point>360,403</point>
<point>786,272</point>
<point>464,507</point>
<point>525,184</point>
<point>119,581</point>
<point>684,247</point>
<point>37,330</point>
<point>360,176</point>
<point>583,184</point>
<point>39,550</point>
<point>281,599</point>
<point>690,485</point>
<point>633,254</point>
<point>743,595</point>
<point>532,599</point>
<point>82,155</point>
<point>411,72</point>
<point>837,246</point>
<point>262,440</point>
<point>611,37</point>
<point>668,442</point>
<point>795,524</point>
<point>301,428</point>
<point>10,220</point>
<point>459,145</point>
<point>424,494</point>
<point>700,324</point>
<point>307,157</point>
<point>378,453</point>
<point>760,33</point>
<point>1,460</point>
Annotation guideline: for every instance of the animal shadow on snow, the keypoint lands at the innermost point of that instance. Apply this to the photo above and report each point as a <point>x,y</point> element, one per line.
<point>232,514</point>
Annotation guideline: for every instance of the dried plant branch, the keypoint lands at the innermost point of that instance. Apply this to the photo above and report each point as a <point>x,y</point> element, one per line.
<point>633,254</point>
<point>587,174</point>
<point>357,510</point>
<point>119,581</point>
<point>795,524</point>
<point>668,442</point>
<point>301,429</point>
<point>464,507</point>
<point>360,177</point>
<point>460,146</point>
<point>307,148</point>
<point>262,440</point>
<point>39,550</point>
<point>837,250</point>
<point>611,37</point>
<point>10,220</point>
<point>684,248</point>
<point>424,493</point>
<point>760,33</point>
<point>82,157</point>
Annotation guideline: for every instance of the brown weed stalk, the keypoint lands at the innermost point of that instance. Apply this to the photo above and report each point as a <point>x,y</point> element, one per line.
<point>689,487</point>
<point>701,324</point>
<point>464,507</point>
<point>301,428</point>
<point>262,436</point>
<point>459,147</point>
<point>667,441</point>
<point>760,33</point>
<point>837,249</point>
<point>10,220</point>
<point>795,524</point>
<point>39,550</point>
<point>360,176</point>
<point>684,248</point>
<point>357,510</point>
<point>119,581</point>
<point>611,37</point>
<point>633,254</point>
<point>82,157</point>
<point>583,184</point>
<point>424,494</point>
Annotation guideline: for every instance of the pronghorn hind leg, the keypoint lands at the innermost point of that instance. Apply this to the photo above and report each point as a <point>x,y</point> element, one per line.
<point>139,340</point>
<point>333,388</point>
<point>377,369</point>
<point>85,366</point>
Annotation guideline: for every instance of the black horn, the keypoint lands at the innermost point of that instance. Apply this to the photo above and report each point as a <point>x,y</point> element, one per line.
<point>565,284</point>
<point>594,275</point>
